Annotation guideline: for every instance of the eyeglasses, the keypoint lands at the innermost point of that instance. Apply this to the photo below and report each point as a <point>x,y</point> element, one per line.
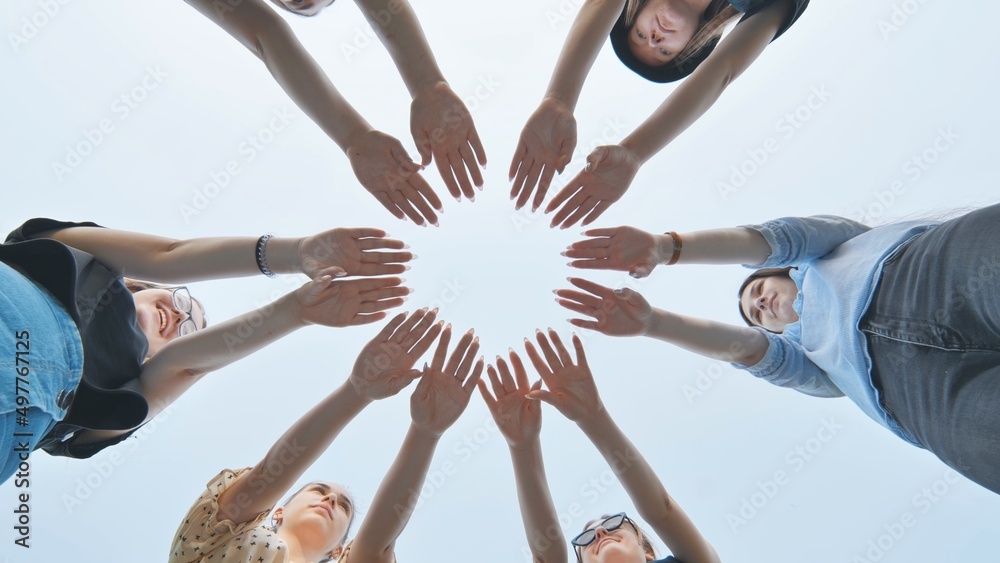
<point>184,303</point>
<point>610,523</point>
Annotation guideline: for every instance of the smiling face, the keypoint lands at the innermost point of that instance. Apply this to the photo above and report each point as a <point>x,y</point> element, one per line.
<point>661,30</point>
<point>767,302</point>
<point>621,545</point>
<point>158,318</point>
<point>304,7</point>
<point>318,516</point>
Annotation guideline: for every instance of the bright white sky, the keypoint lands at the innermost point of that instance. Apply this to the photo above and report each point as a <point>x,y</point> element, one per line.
<point>888,95</point>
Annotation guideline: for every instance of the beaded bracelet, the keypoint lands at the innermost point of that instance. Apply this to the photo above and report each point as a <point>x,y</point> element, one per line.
<point>677,248</point>
<point>261,261</point>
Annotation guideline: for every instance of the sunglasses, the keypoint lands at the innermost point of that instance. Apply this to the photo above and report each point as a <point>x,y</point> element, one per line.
<point>610,524</point>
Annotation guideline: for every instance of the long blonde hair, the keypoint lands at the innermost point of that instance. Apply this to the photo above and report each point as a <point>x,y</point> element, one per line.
<point>717,16</point>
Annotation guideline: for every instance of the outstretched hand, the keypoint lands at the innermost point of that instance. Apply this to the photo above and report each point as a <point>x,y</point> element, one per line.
<point>382,166</point>
<point>342,303</point>
<point>626,249</point>
<point>545,147</point>
<point>442,127</point>
<point>619,312</point>
<point>352,250</point>
<point>570,386</point>
<point>518,417</point>
<point>444,390</point>
<point>385,364</point>
<point>609,172</point>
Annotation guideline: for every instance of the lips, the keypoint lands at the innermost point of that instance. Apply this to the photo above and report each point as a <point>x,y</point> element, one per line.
<point>601,543</point>
<point>163,319</point>
<point>327,509</point>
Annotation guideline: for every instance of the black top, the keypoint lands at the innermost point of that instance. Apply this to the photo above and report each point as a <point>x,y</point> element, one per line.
<point>114,347</point>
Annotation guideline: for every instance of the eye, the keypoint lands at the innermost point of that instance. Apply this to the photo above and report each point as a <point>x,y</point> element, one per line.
<point>639,34</point>
<point>346,505</point>
<point>664,52</point>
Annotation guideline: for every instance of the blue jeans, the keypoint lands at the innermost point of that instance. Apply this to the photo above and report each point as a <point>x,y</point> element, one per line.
<point>933,331</point>
<point>41,359</point>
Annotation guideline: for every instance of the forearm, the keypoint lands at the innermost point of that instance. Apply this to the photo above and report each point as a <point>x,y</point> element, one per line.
<point>693,97</point>
<point>265,34</point>
<point>587,35</point>
<point>397,495</point>
<point>541,523</point>
<point>712,339</point>
<point>717,246</point>
<point>398,28</point>
<point>646,491</point>
<point>294,452</point>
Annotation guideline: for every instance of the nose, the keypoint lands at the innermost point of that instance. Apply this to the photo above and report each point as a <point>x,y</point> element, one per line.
<point>600,531</point>
<point>761,303</point>
<point>655,37</point>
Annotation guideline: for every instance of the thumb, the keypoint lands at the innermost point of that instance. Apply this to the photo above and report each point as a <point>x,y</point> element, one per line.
<point>542,395</point>
<point>639,272</point>
<point>423,147</point>
<point>595,157</point>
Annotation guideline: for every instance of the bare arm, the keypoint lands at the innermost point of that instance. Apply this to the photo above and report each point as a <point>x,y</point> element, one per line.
<point>697,93</point>
<point>712,339</point>
<point>586,37</point>
<point>398,28</point>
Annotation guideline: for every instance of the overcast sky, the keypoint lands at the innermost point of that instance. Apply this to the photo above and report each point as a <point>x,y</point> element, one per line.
<point>874,110</point>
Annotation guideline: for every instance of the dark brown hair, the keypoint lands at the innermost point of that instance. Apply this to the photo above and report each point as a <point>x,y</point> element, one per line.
<point>756,275</point>
<point>717,16</point>
<point>135,286</point>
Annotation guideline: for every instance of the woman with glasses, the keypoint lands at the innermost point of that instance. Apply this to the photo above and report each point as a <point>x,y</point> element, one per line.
<point>571,389</point>
<point>904,319</point>
<point>441,125</point>
<point>95,355</point>
<point>227,523</point>
<point>662,41</point>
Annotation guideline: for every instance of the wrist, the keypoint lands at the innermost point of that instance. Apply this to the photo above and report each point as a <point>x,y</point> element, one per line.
<point>423,434</point>
<point>596,421</point>
<point>528,444</point>
<point>561,101</point>
<point>282,255</point>
<point>289,311</point>
<point>429,85</point>
<point>353,395</point>
<point>664,248</point>
<point>635,149</point>
<point>353,137</point>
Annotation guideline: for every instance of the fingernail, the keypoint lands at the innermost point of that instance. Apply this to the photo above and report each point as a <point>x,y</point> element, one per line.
<point>415,256</point>
<point>402,280</point>
<point>341,274</point>
<point>406,268</point>
<point>405,299</point>
<point>325,278</point>
<point>556,291</point>
<point>436,224</point>
<point>448,327</point>
<point>538,331</point>
<point>458,199</point>
<point>499,359</point>
<point>406,246</point>
<point>510,350</point>
<point>434,311</point>
<point>410,289</point>
<point>563,253</point>
<point>472,198</point>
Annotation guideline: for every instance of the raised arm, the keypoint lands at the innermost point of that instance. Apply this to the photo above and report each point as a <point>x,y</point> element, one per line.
<point>624,312</point>
<point>610,169</point>
<point>377,374</point>
<point>572,390</point>
<point>442,126</point>
<point>352,252</point>
<point>379,161</point>
<point>520,421</point>
<point>438,400</point>
<point>549,137</point>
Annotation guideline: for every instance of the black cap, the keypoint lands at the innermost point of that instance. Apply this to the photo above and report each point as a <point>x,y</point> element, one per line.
<point>663,73</point>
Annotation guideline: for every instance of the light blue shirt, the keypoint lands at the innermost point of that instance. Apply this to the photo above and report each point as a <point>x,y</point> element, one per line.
<point>839,261</point>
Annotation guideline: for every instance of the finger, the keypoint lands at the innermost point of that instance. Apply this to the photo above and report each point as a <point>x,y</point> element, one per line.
<point>596,289</point>
<point>495,381</point>
<point>400,200</point>
<point>466,365</point>
<point>576,307</point>
<point>403,160</point>
<point>543,186</point>
<point>568,190</point>
<point>441,353</point>
<point>424,344</point>
<point>603,242</point>
<point>385,293</point>
<point>604,232</point>
<point>542,395</point>
<point>587,324</point>
<point>366,232</point>
<point>469,159</point>
<point>384,305</point>
<point>401,382</point>
<point>444,168</point>
<point>599,209</point>
<point>505,377</point>
<point>386,257</point>
<point>491,403</point>
<point>458,354</point>
<point>387,203</point>
<point>518,187</point>
<point>458,169</point>
<point>582,298</point>
<point>564,356</point>
<point>423,143</point>
<point>358,320</point>
<point>586,207</point>
<point>385,334</point>
<point>602,264</point>
<point>477,145</point>
<point>520,375</point>
<point>374,243</point>
<point>474,379</point>
<point>585,253</point>
<point>581,356</point>
<point>418,183</point>
<point>547,351</point>
<point>415,198</point>
<point>515,163</point>
<point>570,206</point>
<point>531,180</point>
<point>536,360</point>
<point>404,328</point>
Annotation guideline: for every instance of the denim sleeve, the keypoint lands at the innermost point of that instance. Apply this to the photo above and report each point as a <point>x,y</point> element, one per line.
<point>785,364</point>
<point>795,240</point>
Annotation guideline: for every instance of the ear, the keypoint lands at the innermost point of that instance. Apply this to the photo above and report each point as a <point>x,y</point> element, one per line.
<point>278,515</point>
<point>335,554</point>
